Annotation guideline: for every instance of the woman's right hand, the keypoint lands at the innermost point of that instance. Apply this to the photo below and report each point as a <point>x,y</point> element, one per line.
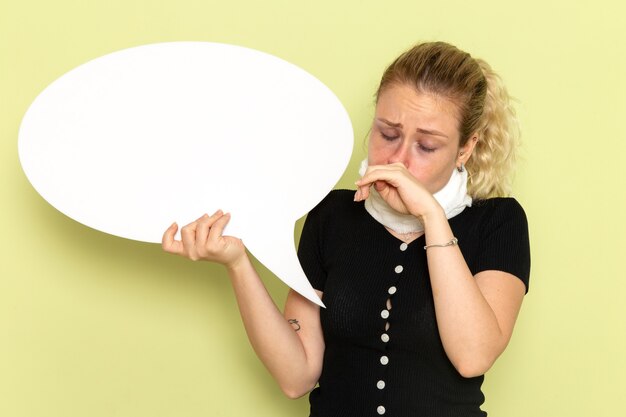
<point>203,240</point>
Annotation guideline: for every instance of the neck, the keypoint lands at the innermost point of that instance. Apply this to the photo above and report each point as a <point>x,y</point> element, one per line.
<point>405,237</point>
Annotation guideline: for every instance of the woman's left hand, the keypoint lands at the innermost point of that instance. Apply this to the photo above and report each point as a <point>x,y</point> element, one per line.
<point>401,190</point>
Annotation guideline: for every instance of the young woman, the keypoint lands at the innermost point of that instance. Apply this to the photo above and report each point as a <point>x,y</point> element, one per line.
<point>423,269</point>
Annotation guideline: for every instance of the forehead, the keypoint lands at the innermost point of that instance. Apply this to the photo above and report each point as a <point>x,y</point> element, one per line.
<point>401,103</point>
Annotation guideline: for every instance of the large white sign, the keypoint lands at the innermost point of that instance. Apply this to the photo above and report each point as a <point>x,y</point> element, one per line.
<point>132,141</point>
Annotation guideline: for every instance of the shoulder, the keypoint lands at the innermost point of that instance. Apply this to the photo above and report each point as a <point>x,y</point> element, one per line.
<point>324,226</point>
<point>335,215</point>
<point>500,205</point>
<point>335,203</point>
<point>338,197</point>
<point>495,212</point>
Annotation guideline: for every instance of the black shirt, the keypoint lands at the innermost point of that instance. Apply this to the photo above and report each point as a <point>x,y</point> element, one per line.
<point>369,370</point>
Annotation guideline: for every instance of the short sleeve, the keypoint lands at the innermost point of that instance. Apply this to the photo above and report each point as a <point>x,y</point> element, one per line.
<point>310,249</point>
<point>504,244</point>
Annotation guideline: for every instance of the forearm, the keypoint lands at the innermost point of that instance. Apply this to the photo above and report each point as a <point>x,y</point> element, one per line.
<point>276,343</point>
<point>468,326</point>
<point>273,339</point>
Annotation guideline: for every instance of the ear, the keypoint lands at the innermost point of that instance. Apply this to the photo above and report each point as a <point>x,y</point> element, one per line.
<point>466,150</point>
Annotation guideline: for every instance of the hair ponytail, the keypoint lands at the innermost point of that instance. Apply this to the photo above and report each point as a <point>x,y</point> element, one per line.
<point>494,156</point>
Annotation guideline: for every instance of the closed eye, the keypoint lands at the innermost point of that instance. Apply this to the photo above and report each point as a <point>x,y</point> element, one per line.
<point>425,148</point>
<point>389,138</point>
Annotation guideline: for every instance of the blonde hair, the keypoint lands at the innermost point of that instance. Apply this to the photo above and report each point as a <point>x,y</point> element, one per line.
<point>484,107</point>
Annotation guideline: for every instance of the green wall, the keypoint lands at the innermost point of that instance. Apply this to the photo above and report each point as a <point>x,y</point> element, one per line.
<point>93,325</point>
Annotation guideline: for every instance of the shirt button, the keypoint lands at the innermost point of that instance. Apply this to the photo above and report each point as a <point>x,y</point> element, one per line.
<point>384,314</point>
<point>392,290</point>
<point>380,384</point>
<point>384,360</point>
<point>398,269</point>
<point>403,247</point>
<point>380,410</point>
<point>384,337</point>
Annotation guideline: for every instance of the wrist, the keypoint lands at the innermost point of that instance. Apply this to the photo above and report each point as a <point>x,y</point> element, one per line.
<point>237,265</point>
<point>433,216</point>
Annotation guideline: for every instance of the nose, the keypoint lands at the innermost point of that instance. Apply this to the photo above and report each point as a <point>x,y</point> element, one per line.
<point>401,154</point>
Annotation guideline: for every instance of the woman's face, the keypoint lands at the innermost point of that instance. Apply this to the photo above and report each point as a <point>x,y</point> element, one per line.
<point>419,130</point>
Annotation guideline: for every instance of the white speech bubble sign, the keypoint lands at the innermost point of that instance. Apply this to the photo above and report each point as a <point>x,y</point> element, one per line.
<point>131,141</point>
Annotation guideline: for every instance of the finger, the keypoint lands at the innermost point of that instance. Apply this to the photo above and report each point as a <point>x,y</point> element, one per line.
<point>214,217</point>
<point>370,175</point>
<point>362,192</point>
<point>399,165</point>
<point>218,228</point>
<point>202,230</point>
<point>365,192</point>
<point>380,185</point>
<point>188,235</point>
<point>381,177</point>
<point>168,243</point>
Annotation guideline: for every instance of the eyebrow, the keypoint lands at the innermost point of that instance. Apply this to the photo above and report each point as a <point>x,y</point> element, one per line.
<point>419,130</point>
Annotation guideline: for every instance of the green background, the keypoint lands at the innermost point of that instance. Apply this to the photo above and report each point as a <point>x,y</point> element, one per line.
<point>93,325</point>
